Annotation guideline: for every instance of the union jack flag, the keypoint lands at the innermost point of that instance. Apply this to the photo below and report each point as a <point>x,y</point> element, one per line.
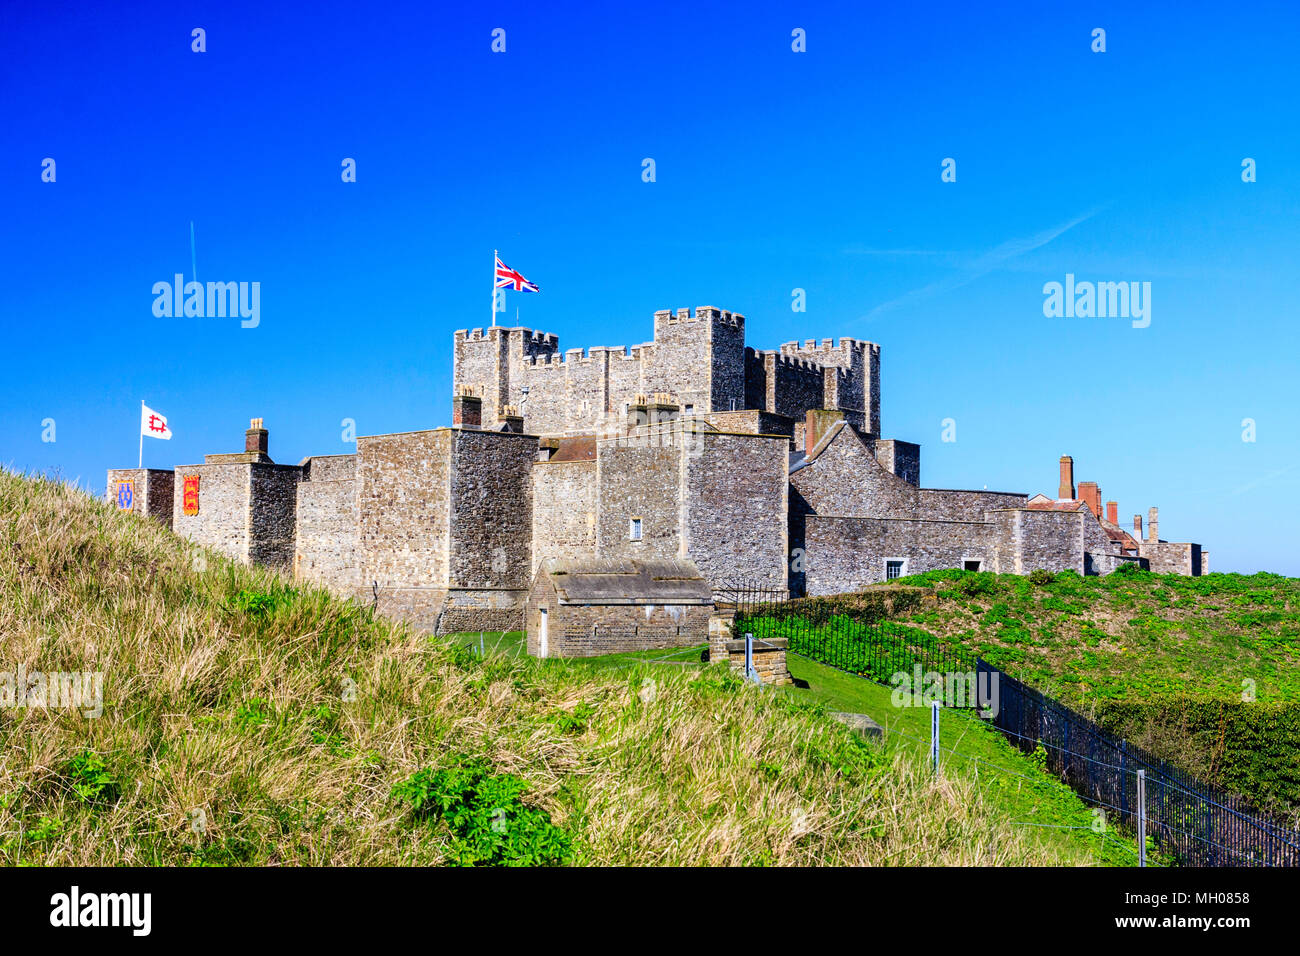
<point>508,278</point>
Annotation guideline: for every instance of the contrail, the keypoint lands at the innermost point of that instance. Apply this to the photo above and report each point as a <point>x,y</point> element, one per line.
<point>984,264</point>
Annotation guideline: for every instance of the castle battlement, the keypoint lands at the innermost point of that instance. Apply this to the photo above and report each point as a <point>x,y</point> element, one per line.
<point>707,312</point>
<point>698,355</point>
<point>544,340</point>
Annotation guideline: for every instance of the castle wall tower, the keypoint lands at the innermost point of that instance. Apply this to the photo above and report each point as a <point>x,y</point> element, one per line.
<point>491,363</point>
<point>697,357</point>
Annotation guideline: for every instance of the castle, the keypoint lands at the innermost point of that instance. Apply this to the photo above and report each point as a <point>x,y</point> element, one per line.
<point>691,458</point>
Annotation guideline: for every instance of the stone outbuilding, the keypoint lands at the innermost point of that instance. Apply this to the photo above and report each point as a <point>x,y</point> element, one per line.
<point>591,606</point>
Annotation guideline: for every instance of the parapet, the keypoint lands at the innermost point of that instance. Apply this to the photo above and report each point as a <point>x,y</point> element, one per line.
<point>543,340</point>
<point>706,312</point>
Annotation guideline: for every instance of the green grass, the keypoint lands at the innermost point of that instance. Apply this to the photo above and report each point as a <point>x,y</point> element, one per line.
<point>1030,797</point>
<point>515,644</point>
<point>1125,635</point>
<point>1203,672</point>
<point>252,720</point>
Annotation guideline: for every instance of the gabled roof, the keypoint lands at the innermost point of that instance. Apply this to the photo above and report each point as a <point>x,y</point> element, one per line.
<point>627,581</point>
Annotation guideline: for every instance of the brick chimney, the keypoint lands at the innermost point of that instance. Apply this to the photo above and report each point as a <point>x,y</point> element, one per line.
<point>1067,478</point>
<point>1153,528</point>
<point>257,438</point>
<point>1091,495</point>
<point>1112,512</point>
<point>1137,527</point>
<point>817,424</point>
<point>466,410</point>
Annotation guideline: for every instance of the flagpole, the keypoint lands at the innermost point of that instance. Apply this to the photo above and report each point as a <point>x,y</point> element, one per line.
<point>141,463</point>
<point>495,253</point>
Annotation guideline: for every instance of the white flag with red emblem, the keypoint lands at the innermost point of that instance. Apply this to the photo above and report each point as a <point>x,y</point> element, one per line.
<point>152,424</point>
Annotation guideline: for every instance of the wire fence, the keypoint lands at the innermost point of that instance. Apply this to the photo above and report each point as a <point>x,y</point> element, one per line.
<point>1196,823</point>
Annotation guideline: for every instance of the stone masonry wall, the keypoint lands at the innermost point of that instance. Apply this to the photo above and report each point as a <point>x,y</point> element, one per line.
<point>403,527</point>
<point>564,516</point>
<point>326,551</point>
<point>491,510</point>
<point>223,519</point>
<point>901,458</point>
<point>639,477</point>
<point>273,494</point>
<point>152,495</point>
<point>1029,540</point>
<point>591,630</point>
<point>736,506</point>
<point>847,553</point>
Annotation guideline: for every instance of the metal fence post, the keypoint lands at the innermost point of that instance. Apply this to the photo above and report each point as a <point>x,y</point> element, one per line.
<point>1142,818</point>
<point>934,736</point>
<point>749,653</point>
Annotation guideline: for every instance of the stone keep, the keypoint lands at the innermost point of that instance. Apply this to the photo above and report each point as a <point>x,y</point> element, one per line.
<point>762,467</point>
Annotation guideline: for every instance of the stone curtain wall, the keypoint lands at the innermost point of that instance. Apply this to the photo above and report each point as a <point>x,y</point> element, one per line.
<point>327,524</point>
<point>965,505</point>
<point>847,554</point>
<point>1030,540</point>
<point>736,508</point>
<point>152,497</point>
<point>273,514</point>
<point>223,519</point>
<point>639,477</point>
<point>491,495</point>
<point>564,515</point>
<point>403,486</point>
<point>1171,558</point>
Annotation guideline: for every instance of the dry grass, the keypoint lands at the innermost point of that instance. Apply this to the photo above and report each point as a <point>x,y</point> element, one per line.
<point>240,715</point>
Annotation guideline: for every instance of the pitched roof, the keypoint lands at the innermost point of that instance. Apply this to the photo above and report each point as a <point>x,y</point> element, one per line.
<point>627,581</point>
<point>1066,504</point>
<point>582,448</point>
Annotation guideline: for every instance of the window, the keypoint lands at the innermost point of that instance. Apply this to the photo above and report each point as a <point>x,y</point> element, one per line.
<point>634,529</point>
<point>971,565</point>
<point>894,568</point>
<point>690,410</point>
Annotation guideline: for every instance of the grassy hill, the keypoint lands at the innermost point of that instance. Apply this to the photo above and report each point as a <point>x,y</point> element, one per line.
<point>248,720</point>
<point>1204,671</point>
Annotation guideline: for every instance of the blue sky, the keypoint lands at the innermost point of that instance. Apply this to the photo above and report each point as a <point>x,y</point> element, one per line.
<point>775,170</point>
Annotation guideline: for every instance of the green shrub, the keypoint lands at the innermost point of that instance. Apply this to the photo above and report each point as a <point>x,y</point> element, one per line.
<point>488,822</point>
<point>1041,576</point>
<point>262,604</point>
<point>88,775</point>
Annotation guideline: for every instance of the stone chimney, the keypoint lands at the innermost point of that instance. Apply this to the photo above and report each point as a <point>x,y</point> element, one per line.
<point>1112,512</point>
<point>817,424</point>
<point>511,419</point>
<point>466,409</point>
<point>1153,528</point>
<point>256,439</point>
<point>1091,495</point>
<point>1067,478</point>
<point>1137,527</point>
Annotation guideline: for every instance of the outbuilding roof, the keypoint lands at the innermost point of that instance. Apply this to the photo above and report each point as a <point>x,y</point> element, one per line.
<point>627,581</point>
